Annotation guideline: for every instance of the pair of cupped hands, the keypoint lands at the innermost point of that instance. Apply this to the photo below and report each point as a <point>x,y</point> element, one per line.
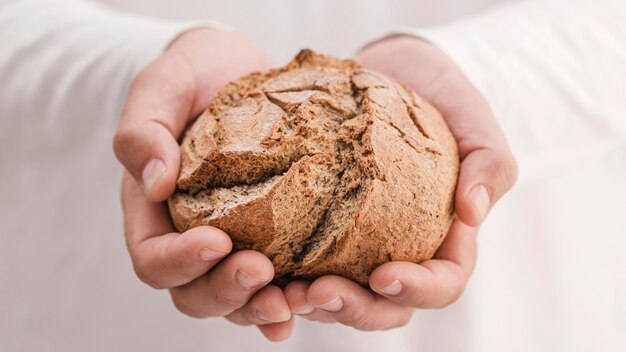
<point>197,267</point>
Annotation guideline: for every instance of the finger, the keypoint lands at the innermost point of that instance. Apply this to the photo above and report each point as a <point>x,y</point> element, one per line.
<point>295,293</point>
<point>161,257</point>
<point>158,109</point>
<point>278,331</point>
<point>266,307</point>
<point>226,288</point>
<point>353,305</point>
<point>171,92</point>
<point>434,283</point>
<point>488,168</point>
<point>486,175</point>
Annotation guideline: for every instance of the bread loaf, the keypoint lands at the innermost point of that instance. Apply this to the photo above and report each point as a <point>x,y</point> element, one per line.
<point>323,166</point>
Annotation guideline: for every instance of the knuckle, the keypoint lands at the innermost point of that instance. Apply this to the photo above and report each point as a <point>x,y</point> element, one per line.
<point>511,170</point>
<point>147,279</point>
<point>504,172</point>
<point>404,319</point>
<point>424,299</point>
<point>227,302</point>
<point>141,270</point>
<point>423,296</point>
<point>185,307</point>
<point>456,294</point>
<point>237,318</point>
<point>359,321</point>
<point>455,297</point>
<point>508,169</point>
<point>143,75</point>
<point>122,140</point>
<point>452,295</point>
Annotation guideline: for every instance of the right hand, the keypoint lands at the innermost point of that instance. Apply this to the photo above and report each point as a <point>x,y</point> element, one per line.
<point>203,280</point>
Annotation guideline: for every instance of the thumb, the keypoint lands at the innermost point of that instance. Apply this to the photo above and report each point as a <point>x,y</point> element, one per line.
<point>158,109</point>
<point>486,174</point>
<point>170,93</point>
<point>151,155</point>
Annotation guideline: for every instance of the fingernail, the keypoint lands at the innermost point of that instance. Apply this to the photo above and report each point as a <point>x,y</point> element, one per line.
<point>209,255</point>
<point>333,305</point>
<point>480,197</point>
<point>151,174</point>
<point>247,281</point>
<point>263,317</point>
<point>304,310</point>
<point>392,289</point>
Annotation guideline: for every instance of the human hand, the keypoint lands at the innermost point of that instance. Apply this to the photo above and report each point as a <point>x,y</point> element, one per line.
<point>202,278</point>
<point>169,94</point>
<point>487,171</point>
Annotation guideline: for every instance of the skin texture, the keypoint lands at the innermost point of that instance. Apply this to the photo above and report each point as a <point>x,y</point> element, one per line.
<point>333,205</point>
<point>205,281</point>
<point>164,98</point>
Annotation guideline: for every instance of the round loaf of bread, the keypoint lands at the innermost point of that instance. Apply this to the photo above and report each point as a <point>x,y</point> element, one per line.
<point>323,166</point>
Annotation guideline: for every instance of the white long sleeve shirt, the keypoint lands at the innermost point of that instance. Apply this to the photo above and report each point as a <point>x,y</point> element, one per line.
<point>551,274</point>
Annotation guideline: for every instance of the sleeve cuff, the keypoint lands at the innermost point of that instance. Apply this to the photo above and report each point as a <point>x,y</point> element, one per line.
<point>478,45</point>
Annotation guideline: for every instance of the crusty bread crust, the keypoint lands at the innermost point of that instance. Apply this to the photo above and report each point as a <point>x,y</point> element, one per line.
<point>325,167</point>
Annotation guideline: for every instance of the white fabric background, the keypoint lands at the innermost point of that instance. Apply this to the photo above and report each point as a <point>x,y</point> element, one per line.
<point>550,274</point>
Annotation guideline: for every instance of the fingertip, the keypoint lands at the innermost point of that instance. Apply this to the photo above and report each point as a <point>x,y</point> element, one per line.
<point>160,190</point>
<point>159,176</point>
<point>254,264</point>
<point>481,201</point>
<point>277,332</point>
<point>472,206</point>
<point>295,293</point>
<point>320,291</point>
<point>209,237</point>
<point>175,259</point>
<point>327,292</point>
<point>405,283</point>
<point>431,284</point>
<point>486,175</point>
<point>473,196</point>
<point>150,152</point>
<point>272,305</point>
<point>390,279</point>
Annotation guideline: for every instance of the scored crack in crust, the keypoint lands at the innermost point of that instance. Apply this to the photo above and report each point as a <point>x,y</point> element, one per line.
<point>323,166</point>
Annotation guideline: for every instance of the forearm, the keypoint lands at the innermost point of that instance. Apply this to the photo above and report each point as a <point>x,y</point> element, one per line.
<point>72,59</point>
<point>552,71</point>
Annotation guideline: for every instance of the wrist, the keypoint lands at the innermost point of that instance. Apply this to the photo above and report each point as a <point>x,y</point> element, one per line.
<point>400,41</point>
<point>409,59</point>
<point>206,59</point>
<point>191,35</point>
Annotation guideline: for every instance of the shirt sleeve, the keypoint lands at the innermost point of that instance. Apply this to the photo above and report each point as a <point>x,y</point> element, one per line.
<point>69,60</point>
<point>553,72</point>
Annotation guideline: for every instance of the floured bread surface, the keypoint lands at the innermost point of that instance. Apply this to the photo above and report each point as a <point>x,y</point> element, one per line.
<point>325,167</point>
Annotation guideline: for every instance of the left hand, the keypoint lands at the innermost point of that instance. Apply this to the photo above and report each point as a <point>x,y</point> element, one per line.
<point>398,287</point>
<point>487,171</point>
